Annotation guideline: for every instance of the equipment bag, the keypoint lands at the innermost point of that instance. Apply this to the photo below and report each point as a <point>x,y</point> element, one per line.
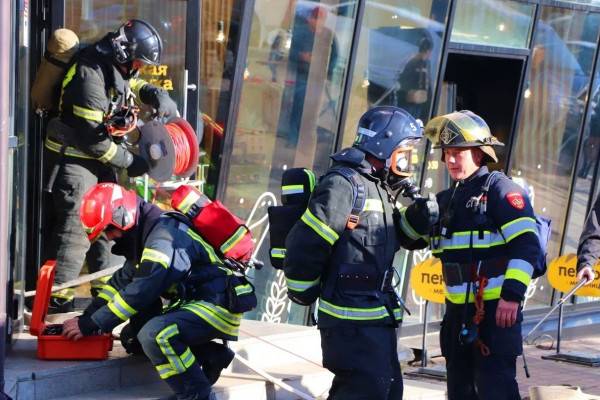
<point>542,224</point>
<point>45,91</point>
<point>215,223</point>
<point>297,185</point>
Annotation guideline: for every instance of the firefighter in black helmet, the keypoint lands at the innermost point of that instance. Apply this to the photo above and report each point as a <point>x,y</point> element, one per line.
<point>341,251</point>
<point>487,241</point>
<point>99,87</point>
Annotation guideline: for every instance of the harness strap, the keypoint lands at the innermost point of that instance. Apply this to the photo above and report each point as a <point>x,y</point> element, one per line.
<point>359,195</point>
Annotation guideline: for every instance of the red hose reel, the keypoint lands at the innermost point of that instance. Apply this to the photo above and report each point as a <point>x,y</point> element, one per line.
<point>170,149</point>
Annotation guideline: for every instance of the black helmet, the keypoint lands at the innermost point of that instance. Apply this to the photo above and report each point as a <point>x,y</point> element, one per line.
<point>136,40</point>
<point>462,129</point>
<point>382,129</point>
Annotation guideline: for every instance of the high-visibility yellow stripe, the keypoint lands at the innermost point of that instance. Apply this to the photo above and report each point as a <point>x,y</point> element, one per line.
<point>69,151</point>
<point>211,252</point>
<point>216,316</point>
<point>234,239</point>
<point>107,293</point>
<point>188,201</point>
<point>156,256</point>
<point>88,113</point>
<point>110,153</point>
<point>136,84</point>
<point>162,339</point>
<point>68,78</point>
<point>488,294</point>
<point>120,308</point>
<point>518,275</point>
<point>320,227</point>
<point>374,205</point>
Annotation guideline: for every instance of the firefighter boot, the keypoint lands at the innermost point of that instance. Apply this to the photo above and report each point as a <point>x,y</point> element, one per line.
<point>215,358</point>
<point>190,385</point>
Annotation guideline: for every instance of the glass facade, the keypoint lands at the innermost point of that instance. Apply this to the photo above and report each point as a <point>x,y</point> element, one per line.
<point>551,118</point>
<point>288,116</point>
<point>311,69</point>
<point>502,23</point>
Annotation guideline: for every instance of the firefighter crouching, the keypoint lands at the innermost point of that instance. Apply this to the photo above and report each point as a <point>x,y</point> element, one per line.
<point>165,258</point>
<point>99,87</point>
<point>488,246</point>
<point>341,251</point>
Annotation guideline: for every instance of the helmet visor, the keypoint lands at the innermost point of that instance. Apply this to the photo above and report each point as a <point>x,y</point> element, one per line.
<point>401,160</point>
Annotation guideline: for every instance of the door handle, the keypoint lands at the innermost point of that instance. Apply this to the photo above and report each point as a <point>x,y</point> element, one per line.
<point>187,86</point>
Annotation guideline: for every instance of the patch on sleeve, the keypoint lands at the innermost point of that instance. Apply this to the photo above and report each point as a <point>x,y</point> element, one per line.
<point>516,200</point>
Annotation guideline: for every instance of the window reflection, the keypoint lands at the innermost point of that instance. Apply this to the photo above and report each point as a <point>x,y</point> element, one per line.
<point>92,19</point>
<point>551,118</point>
<point>503,23</point>
<point>288,116</point>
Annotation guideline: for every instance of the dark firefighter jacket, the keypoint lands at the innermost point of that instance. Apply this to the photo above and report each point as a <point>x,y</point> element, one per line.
<point>502,242</point>
<point>177,264</point>
<point>588,250</point>
<point>347,268</point>
<point>92,89</point>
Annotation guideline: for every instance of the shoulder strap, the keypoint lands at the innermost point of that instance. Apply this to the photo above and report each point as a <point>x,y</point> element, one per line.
<point>492,177</point>
<point>359,195</point>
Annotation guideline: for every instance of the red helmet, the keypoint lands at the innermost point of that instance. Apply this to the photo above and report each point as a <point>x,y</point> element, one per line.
<point>107,204</point>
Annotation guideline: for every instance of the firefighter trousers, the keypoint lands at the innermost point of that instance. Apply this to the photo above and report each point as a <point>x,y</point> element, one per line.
<point>68,243</point>
<point>168,339</point>
<point>472,376</point>
<point>364,361</point>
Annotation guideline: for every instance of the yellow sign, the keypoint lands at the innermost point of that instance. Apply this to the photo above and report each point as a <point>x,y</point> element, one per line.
<point>427,281</point>
<point>562,275</point>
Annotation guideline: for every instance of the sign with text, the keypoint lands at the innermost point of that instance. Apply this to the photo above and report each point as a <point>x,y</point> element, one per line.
<point>562,275</point>
<point>427,281</point>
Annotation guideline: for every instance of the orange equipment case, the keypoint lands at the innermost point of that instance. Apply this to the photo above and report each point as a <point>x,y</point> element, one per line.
<point>56,346</point>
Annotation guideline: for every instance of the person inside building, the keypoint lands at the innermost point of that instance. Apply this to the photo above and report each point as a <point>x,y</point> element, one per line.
<point>342,249</point>
<point>414,82</point>
<point>165,258</point>
<point>309,24</point>
<point>488,246</point>
<point>99,87</point>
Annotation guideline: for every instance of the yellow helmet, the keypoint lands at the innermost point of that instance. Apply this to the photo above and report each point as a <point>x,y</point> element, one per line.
<point>462,129</point>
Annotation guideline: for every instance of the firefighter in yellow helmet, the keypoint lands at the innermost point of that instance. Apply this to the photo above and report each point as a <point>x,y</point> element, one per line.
<point>486,239</point>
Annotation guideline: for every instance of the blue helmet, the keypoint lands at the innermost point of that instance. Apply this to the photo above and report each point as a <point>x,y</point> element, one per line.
<point>383,129</point>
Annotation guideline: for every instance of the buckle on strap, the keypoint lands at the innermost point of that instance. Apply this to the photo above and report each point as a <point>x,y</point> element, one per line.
<point>352,221</point>
<point>386,282</point>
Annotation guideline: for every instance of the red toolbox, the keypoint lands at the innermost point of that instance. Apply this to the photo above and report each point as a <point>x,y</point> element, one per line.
<point>52,345</point>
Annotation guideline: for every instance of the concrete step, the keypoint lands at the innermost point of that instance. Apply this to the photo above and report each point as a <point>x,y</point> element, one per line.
<point>291,353</point>
<point>229,387</point>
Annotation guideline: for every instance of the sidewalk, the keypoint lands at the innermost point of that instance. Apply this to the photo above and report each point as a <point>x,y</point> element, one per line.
<point>543,372</point>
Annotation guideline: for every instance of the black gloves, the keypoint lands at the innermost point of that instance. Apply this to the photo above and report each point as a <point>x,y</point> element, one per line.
<point>139,166</point>
<point>129,340</point>
<point>87,326</point>
<point>159,99</point>
<point>423,214</point>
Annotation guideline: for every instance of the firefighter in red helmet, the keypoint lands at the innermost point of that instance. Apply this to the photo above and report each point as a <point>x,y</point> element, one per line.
<point>165,259</point>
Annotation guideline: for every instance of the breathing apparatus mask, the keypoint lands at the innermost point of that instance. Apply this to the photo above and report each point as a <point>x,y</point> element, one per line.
<point>399,169</point>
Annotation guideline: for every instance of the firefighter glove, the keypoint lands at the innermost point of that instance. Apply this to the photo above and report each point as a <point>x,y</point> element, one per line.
<point>160,100</point>
<point>139,166</point>
<point>423,214</point>
<point>87,326</point>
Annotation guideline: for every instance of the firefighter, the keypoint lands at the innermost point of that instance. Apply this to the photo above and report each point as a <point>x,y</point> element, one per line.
<point>99,86</point>
<point>341,251</point>
<point>165,258</point>
<point>488,247</point>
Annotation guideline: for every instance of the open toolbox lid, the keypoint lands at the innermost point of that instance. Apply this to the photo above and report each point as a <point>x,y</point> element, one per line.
<point>43,291</point>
